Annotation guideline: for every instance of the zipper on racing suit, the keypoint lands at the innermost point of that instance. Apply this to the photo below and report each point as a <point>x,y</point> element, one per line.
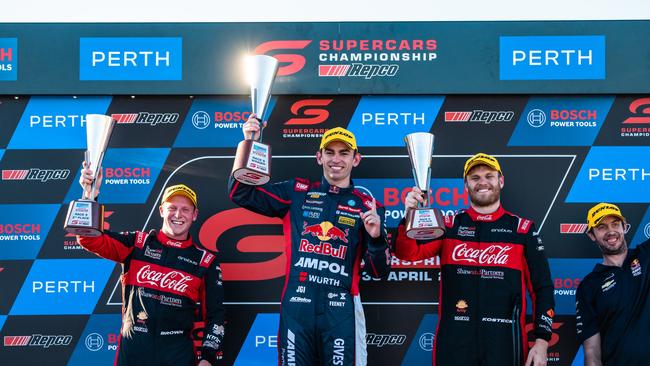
<point>516,333</point>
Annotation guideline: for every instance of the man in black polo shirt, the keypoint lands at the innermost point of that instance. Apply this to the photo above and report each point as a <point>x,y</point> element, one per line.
<point>613,301</point>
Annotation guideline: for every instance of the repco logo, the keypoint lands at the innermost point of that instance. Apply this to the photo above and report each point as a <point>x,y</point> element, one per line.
<point>295,61</point>
<point>308,113</point>
<point>42,175</point>
<point>494,254</point>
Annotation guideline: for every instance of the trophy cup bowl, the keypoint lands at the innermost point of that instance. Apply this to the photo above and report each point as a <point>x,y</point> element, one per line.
<point>423,223</point>
<point>85,216</point>
<point>253,159</point>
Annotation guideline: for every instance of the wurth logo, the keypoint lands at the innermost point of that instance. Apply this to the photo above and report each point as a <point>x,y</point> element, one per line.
<point>480,116</point>
<point>38,340</point>
<point>42,175</point>
<point>573,228</point>
<point>145,118</point>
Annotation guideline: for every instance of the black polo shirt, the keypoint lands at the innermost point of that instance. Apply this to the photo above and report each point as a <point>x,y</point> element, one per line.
<point>615,302</point>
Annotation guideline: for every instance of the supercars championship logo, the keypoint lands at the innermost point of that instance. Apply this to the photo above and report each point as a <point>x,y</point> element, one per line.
<point>365,58</point>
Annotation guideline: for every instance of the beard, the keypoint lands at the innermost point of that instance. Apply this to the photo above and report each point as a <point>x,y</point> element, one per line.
<point>482,200</point>
<point>608,249</point>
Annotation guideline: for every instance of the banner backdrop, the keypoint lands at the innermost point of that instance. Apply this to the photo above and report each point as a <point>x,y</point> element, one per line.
<point>583,57</point>
<point>60,304</point>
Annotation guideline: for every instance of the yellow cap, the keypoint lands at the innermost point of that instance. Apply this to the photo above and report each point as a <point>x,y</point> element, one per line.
<point>597,213</point>
<point>482,159</point>
<point>179,189</point>
<point>339,134</point>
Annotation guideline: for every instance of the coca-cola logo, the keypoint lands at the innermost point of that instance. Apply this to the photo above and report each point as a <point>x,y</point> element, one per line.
<point>484,217</point>
<point>493,254</point>
<point>172,280</point>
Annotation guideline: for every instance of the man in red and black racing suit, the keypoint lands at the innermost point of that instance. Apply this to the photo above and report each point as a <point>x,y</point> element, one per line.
<point>165,276</point>
<point>488,259</point>
<point>329,227</point>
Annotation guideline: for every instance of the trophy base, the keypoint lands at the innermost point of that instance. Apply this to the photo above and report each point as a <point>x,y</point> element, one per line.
<point>85,218</point>
<point>424,224</point>
<point>252,163</point>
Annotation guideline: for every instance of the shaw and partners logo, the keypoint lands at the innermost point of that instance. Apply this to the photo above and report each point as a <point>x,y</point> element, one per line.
<point>552,58</point>
<point>8,59</point>
<point>127,58</point>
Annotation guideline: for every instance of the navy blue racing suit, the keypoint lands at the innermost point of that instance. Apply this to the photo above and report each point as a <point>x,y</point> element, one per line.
<point>321,320</point>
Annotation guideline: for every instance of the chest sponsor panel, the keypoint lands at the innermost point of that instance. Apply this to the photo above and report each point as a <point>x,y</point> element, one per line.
<point>467,253</point>
<point>165,279</point>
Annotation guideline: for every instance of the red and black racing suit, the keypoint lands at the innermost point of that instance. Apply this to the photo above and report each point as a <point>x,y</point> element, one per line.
<point>487,262</point>
<point>321,320</point>
<point>163,280</point>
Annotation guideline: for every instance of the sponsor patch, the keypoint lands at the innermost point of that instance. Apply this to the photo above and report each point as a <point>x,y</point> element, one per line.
<point>347,221</point>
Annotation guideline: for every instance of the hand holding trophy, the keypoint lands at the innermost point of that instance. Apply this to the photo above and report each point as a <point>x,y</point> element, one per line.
<point>423,223</point>
<point>85,216</point>
<point>253,159</point>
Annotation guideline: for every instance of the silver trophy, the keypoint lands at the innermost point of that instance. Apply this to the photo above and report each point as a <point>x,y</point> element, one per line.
<point>423,223</point>
<point>253,158</point>
<point>86,216</point>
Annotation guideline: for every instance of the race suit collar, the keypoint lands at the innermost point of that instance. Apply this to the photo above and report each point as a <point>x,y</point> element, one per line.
<point>491,217</point>
<point>326,187</point>
<point>168,242</point>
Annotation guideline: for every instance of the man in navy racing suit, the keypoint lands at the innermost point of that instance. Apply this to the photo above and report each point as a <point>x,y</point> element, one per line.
<point>165,276</point>
<point>329,228</point>
<point>489,257</point>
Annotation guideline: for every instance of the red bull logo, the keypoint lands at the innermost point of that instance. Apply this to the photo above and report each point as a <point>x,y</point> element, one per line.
<point>323,249</point>
<point>325,231</point>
